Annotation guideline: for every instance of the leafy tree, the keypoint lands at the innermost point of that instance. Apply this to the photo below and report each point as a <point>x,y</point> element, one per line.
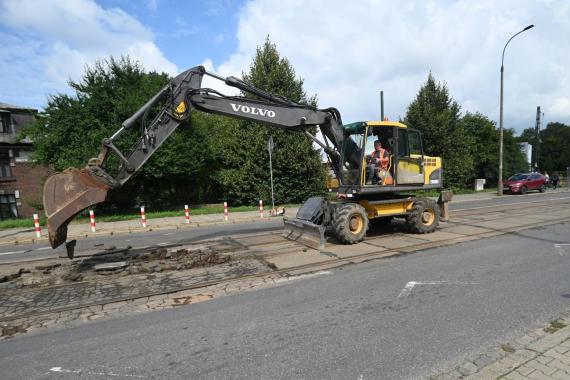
<point>554,148</point>
<point>108,93</point>
<point>437,115</point>
<point>485,149</point>
<point>514,161</point>
<point>240,146</point>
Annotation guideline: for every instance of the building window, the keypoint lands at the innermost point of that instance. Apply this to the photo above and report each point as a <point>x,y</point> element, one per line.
<point>5,168</point>
<point>4,122</point>
<point>8,207</point>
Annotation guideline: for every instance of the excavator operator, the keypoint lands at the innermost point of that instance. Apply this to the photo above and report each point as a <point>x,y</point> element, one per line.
<point>380,164</point>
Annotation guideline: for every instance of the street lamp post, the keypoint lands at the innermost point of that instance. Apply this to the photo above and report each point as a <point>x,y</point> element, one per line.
<point>500,185</point>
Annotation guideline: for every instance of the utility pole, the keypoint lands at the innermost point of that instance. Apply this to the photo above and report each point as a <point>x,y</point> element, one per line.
<point>537,138</point>
<point>381,105</point>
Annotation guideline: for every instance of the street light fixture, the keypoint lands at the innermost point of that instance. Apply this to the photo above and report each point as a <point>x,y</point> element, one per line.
<point>500,185</point>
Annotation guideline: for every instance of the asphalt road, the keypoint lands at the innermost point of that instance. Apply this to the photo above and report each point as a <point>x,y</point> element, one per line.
<point>400,318</point>
<point>9,253</point>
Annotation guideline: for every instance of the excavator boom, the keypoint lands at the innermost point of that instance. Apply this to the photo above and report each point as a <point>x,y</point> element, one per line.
<point>68,193</point>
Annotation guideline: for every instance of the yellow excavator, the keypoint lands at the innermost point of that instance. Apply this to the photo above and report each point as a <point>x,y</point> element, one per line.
<point>364,195</point>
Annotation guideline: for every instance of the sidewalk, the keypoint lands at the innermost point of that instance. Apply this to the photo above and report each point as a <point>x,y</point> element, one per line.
<point>27,235</point>
<point>541,354</point>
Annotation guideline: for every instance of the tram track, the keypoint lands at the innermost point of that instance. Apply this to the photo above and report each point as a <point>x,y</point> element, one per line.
<point>254,250</point>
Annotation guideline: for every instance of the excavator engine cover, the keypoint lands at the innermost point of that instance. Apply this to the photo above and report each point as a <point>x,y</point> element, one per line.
<point>309,226</point>
<point>65,195</point>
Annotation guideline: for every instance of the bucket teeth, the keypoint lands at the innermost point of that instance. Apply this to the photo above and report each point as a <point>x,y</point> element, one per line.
<point>307,233</point>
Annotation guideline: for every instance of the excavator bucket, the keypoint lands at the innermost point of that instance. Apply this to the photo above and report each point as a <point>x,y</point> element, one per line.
<point>304,228</point>
<point>67,194</point>
<point>307,233</point>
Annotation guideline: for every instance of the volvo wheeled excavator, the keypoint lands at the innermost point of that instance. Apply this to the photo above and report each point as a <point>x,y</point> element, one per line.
<point>362,197</point>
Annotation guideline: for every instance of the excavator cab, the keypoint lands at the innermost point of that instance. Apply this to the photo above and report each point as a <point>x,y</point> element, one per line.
<point>407,168</point>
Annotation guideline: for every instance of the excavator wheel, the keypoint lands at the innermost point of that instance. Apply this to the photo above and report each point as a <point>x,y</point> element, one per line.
<point>424,216</point>
<point>350,223</point>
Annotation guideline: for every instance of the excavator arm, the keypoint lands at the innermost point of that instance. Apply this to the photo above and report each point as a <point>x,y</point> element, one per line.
<point>68,193</point>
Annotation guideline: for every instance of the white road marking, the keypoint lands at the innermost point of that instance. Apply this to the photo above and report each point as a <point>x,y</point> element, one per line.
<point>301,276</point>
<point>43,248</point>
<point>165,243</point>
<point>170,233</point>
<point>81,372</point>
<point>143,247</point>
<point>410,285</point>
<point>559,248</point>
<point>12,252</point>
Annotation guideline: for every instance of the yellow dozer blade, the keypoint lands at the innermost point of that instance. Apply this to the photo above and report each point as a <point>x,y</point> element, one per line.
<point>67,194</point>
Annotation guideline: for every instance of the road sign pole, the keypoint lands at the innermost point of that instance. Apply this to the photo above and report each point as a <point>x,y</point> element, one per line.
<point>270,147</point>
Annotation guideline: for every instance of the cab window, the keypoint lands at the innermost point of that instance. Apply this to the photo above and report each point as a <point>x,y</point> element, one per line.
<point>414,142</point>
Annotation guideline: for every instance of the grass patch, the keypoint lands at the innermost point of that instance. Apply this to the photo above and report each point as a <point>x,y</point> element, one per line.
<point>554,326</point>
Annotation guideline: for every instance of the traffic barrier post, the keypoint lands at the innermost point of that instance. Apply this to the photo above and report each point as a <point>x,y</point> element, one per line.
<point>226,211</point>
<point>143,217</point>
<point>187,214</point>
<point>37,226</point>
<point>92,220</point>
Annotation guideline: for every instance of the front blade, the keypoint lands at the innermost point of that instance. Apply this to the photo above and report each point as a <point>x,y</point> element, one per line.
<point>307,233</point>
<point>67,194</point>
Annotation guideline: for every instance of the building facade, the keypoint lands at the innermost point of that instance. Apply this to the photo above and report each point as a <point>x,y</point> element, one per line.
<point>21,181</point>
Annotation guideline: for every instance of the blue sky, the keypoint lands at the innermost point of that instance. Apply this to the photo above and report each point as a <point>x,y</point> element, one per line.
<point>187,31</point>
<point>345,51</point>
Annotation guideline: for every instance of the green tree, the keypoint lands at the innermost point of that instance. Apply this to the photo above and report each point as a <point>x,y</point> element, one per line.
<point>485,149</point>
<point>554,148</point>
<point>240,146</point>
<point>109,92</point>
<point>437,115</point>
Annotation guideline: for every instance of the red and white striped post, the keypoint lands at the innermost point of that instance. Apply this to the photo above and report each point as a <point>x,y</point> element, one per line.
<point>226,211</point>
<point>261,208</point>
<point>143,217</point>
<point>37,225</point>
<point>92,219</point>
<point>187,214</point>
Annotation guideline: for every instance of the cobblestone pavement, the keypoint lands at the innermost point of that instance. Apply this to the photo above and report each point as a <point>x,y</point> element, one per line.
<point>543,353</point>
<point>38,300</point>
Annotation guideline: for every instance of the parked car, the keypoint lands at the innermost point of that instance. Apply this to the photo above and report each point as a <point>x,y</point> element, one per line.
<point>523,182</point>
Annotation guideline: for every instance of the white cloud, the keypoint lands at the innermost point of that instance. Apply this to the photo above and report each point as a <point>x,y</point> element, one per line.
<point>348,51</point>
<point>56,39</point>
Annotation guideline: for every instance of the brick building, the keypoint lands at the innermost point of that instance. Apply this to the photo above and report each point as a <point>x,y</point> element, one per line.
<point>21,181</point>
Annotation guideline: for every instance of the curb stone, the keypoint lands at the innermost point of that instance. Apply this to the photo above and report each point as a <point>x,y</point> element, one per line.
<point>520,357</point>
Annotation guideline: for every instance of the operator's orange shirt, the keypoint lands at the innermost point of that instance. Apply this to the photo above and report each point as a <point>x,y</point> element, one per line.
<point>382,158</point>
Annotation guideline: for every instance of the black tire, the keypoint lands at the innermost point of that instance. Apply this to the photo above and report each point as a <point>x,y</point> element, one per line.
<point>424,216</point>
<point>542,189</point>
<point>523,190</point>
<point>350,223</point>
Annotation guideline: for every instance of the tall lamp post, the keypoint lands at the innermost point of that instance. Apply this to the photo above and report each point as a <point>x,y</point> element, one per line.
<point>500,185</point>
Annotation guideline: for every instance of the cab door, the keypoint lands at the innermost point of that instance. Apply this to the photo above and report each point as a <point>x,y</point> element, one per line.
<point>410,157</point>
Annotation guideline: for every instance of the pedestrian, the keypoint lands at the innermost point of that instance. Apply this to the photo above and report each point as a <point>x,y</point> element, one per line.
<point>555,179</point>
<point>546,179</point>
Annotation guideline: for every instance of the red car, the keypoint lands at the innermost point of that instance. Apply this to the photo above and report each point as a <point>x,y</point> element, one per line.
<point>523,182</point>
